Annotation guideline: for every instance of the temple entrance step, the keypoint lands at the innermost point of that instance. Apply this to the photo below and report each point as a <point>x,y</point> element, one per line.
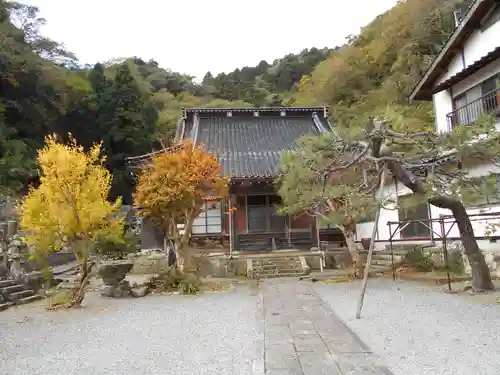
<point>285,266</point>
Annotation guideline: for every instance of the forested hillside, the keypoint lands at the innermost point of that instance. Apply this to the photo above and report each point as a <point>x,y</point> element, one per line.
<point>132,105</point>
<point>379,68</point>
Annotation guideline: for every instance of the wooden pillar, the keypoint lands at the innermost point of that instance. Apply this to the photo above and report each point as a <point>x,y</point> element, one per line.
<point>231,231</point>
<point>315,229</point>
<point>232,223</point>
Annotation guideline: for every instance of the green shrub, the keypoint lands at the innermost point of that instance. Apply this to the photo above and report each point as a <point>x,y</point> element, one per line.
<point>116,251</point>
<point>455,262</point>
<point>173,279</point>
<point>418,259</point>
<point>189,285</point>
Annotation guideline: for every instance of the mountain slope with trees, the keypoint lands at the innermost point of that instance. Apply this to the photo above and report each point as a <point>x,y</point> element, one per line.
<point>381,66</point>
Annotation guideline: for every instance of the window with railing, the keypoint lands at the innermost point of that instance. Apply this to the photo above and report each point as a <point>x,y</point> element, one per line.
<point>479,100</point>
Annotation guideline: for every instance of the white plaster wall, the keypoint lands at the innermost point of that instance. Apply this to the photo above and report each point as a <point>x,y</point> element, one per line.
<point>387,214</point>
<point>480,43</point>
<point>476,78</point>
<point>442,106</point>
<point>480,224</point>
<point>477,46</point>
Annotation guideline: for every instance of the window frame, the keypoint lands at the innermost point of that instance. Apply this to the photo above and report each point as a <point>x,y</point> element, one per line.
<point>204,215</point>
<point>416,228</point>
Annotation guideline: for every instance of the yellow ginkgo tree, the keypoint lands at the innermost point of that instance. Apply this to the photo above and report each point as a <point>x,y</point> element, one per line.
<point>70,207</point>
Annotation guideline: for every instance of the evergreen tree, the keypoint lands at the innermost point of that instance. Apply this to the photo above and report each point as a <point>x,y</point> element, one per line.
<point>126,120</point>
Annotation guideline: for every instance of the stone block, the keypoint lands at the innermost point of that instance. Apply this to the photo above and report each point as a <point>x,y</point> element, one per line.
<point>107,290</point>
<point>3,270</point>
<point>320,363</point>
<point>355,363</point>
<point>114,272</point>
<point>34,280</point>
<point>309,343</point>
<point>139,291</point>
<point>276,359</point>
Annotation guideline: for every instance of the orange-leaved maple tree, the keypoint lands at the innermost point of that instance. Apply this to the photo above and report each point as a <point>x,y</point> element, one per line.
<point>173,189</point>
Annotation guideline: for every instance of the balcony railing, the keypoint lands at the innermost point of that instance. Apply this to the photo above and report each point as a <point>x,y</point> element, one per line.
<point>487,104</point>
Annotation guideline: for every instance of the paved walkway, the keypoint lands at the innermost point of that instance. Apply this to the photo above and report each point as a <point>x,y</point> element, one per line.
<point>303,336</point>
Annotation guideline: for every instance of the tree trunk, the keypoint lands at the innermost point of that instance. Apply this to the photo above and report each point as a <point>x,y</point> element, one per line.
<point>352,246</point>
<point>481,278</point>
<point>187,264</point>
<point>185,260</point>
<point>79,293</point>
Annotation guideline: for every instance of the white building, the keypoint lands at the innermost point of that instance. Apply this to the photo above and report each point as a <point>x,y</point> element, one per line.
<point>463,82</point>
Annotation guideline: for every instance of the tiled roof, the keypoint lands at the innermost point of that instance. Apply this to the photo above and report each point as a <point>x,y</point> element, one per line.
<point>251,147</point>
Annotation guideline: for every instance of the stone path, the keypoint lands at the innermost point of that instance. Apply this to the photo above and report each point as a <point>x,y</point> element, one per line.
<point>303,335</point>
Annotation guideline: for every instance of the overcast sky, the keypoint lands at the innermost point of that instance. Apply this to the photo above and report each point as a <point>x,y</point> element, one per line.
<point>196,36</point>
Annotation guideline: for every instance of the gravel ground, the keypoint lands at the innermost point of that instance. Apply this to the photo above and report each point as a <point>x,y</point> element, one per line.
<point>420,330</point>
<point>214,333</point>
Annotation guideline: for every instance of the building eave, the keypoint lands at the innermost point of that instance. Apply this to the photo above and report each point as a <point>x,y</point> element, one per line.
<point>471,69</point>
<point>424,89</point>
<point>254,109</point>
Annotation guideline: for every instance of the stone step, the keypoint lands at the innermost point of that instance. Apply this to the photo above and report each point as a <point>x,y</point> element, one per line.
<point>12,289</point>
<point>288,265</point>
<point>6,283</point>
<point>397,258</point>
<point>273,276</point>
<point>275,263</point>
<point>28,299</point>
<point>6,305</point>
<point>283,270</point>
<point>382,262</point>
<point>18,295</point>
<point>380,268</point>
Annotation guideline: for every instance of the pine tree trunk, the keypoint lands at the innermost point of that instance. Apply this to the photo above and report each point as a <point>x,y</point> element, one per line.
<point>352,246</point>
<point>481,278</point>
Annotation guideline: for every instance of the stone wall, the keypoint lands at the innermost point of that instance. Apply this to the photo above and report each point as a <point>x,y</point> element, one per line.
<point>337,259</point>
<point>215,266</point>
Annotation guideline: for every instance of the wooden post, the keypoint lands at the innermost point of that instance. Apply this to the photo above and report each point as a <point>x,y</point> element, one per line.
<point>318,243</point>
<point>370,250</point>
<point>230,224</point>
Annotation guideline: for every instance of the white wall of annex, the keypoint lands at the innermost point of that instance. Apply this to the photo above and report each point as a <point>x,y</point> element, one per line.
<point>479,223</point>
<point>479,44</point>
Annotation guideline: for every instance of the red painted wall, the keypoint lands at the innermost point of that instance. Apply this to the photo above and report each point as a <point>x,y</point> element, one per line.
<point>301,222</point>
<point>240,215</point>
